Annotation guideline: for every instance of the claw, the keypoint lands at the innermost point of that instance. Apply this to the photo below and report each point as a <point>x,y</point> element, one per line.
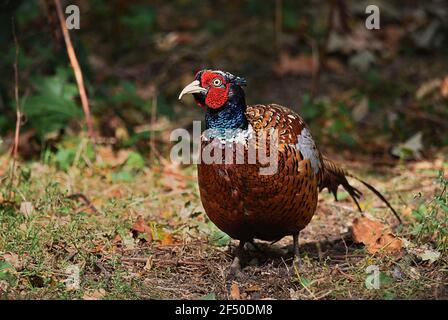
<point>235,269</point>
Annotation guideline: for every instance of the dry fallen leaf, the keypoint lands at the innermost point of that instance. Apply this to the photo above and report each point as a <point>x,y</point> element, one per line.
<point>361,110</point>
<point>13,259</point>
<point>173,177</point>
<point>141,227</point>
<point>116,239</point>
<point>299,65</point>
<point>115,193</point>
<point>430,255</point>
<point>26,208</point>
<point>407,212</point>
<point>428,87</point>
<point>411,148</point>
<point>375,236</point>
<point>167,239</point>
<point>444,87</point>
<point>235,291</point>
<point>335,65</point>
<point>360,39</point>
<point>172,183</point>
<point>424,252</point>
<point>111,158</point>
<point>393,35</point>
<point>148,264</point>
<point>253,288</point>
<point>94,294</point>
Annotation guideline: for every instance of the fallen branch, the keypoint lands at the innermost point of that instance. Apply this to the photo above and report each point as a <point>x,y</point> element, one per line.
<point>78,74</point>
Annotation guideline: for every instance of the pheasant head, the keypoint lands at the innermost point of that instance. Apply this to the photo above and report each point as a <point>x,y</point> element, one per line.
<point>221,92</point>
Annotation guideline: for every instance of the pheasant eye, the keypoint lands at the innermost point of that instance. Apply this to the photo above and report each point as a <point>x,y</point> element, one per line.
<point>217,82</point>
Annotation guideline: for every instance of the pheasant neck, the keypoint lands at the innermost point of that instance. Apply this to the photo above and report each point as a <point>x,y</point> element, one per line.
<point>229,117</point>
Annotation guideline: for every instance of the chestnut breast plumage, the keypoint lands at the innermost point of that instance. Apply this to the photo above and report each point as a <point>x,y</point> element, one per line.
<point>246,204</point>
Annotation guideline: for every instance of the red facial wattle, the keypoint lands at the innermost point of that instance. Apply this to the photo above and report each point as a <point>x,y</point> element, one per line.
<point>217,95</point>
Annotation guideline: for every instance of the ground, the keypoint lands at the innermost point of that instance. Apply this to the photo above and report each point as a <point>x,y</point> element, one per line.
<point>125,223</point>
<point>149,238</point>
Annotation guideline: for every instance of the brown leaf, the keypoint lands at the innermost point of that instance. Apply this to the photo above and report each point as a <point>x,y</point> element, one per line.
<point>235,291</point>
<point>13,259</point>
<point>99,247</point>
<point>111,158</point>
<point>141,227</point>
<point>393,35</point>
<point>299,65</point>
<point>173,178</point>
<point>334,65</point>
<point>167,239</point>
<point>253,288</point>
<point>116,193</point>
<point>171,183</point>
<point>26,208</point>
<point>375,236</point>
<point>4,165</point>
<point>97,294</point>
<point>117,239</point>
<point>148,264</point>
<point>444,87</point>
<point>427,88</point>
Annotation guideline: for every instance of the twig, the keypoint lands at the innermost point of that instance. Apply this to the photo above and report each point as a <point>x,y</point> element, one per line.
<point>152,143</point>
<point>15,149</point>
<point>16,94</point>
<point>78,74</point>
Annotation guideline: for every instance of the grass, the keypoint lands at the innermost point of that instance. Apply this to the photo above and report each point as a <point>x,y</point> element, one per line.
<point>44,232</point>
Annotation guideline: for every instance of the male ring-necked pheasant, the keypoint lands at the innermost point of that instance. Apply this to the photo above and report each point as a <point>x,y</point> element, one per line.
<point>242,202</point>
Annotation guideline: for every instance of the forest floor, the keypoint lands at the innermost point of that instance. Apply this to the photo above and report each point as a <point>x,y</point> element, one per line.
<point>128,227</point>
<point>149,238</point>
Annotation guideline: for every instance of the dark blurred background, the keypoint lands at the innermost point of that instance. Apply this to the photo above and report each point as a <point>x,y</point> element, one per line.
<point>378,92</point>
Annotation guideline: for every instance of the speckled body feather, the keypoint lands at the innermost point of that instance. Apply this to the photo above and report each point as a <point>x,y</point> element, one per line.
<point>247,205</point>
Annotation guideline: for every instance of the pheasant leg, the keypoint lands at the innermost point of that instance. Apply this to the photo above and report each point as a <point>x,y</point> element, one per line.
<point>235,268</point>
<point>297,261</point>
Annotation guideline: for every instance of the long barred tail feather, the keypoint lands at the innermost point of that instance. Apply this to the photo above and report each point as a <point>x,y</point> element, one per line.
<point>333,176</point>
<point>379,195</point>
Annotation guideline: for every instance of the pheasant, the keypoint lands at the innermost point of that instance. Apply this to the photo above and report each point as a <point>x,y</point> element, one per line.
<point>237,197</point>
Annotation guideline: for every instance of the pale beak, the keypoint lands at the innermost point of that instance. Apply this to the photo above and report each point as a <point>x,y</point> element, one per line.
<point>193,87</point>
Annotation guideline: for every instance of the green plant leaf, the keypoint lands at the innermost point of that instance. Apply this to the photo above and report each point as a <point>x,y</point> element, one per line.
<point>209,296</point>
<point>7,272</point>
<point>64,158</point>
<point>123,176</point>
<point>219,238</point>
<point>134,161</point>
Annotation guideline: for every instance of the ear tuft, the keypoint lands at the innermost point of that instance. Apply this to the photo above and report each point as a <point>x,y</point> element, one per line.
<point>241,81</point>
<point>236,80</point>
